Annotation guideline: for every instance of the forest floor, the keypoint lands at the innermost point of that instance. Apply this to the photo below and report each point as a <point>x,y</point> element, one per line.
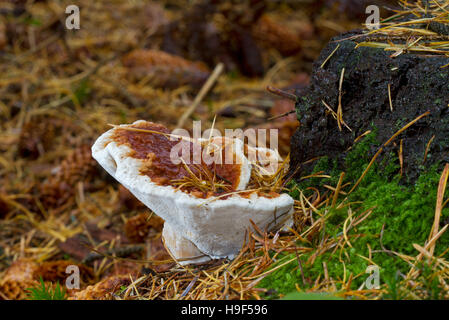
<point>60,89</point>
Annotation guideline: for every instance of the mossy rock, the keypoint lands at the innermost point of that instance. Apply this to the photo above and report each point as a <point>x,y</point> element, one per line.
<point>417,84</point>
<point>402,203</point>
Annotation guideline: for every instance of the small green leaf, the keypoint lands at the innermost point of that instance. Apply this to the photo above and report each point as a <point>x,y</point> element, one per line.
<point>43,293</point>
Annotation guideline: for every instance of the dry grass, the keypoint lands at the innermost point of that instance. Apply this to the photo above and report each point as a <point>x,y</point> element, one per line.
<point>420,27</point>
<point>75,82</point>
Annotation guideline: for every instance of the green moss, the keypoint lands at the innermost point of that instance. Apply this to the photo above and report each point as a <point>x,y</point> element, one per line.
<point>405,213</point>
<point>309,296</point>
<point>303,105</point>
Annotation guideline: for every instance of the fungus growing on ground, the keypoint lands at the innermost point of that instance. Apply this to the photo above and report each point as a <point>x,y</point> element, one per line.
<point>209,205</point>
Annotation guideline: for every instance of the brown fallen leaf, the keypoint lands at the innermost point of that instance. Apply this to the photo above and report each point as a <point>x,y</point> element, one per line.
<point>76,247</point>
<point>102,234</point>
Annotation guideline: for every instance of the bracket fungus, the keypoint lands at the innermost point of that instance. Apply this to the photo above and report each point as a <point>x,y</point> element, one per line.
<point>208,206</point>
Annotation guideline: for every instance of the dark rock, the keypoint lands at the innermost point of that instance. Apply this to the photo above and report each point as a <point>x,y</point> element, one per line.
<point>418,84</point>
